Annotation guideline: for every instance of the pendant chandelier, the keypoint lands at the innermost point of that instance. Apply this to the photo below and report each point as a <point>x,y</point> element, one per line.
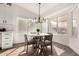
<point>39,13</point>
<point>40,19</point>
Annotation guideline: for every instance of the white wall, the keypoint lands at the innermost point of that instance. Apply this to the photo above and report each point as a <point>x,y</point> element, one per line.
<point>74,42</point>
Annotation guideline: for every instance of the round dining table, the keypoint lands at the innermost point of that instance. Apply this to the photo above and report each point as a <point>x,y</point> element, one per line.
<point>35,34</point>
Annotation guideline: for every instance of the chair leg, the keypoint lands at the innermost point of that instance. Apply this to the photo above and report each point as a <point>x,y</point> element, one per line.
<point>51,49</point>
<point>27,49</point>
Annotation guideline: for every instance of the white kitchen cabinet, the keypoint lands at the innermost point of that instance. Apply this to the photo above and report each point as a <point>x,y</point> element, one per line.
<point>6,40</point>
<point>6,16</point>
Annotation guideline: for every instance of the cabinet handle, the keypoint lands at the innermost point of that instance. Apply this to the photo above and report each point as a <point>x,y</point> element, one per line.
<point>3,21</point>
<point>7,43</point>
<point>6,38</point>
<point>6,34</point>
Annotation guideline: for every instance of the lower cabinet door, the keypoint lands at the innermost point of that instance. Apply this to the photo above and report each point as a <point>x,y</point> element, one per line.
<point>6,45</point>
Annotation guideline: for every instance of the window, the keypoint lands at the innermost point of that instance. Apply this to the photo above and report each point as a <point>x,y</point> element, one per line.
<point>74,28</point>
<point>53,25</point>
<point>26,25</point>
<point>58,25</point>
<point>62,24</point>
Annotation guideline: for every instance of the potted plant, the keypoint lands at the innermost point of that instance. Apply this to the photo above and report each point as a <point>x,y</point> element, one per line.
<point>38,30</point>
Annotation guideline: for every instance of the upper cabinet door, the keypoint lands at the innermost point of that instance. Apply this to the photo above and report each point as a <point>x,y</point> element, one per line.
<point>8,15</point>
<point>2,13</point>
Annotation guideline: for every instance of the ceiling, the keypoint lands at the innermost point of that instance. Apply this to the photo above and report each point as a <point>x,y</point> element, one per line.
<point>45,8</point>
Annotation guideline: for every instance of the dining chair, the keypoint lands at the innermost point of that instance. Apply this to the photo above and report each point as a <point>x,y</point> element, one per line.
<point>48,41</point>
<point>28,42</point>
